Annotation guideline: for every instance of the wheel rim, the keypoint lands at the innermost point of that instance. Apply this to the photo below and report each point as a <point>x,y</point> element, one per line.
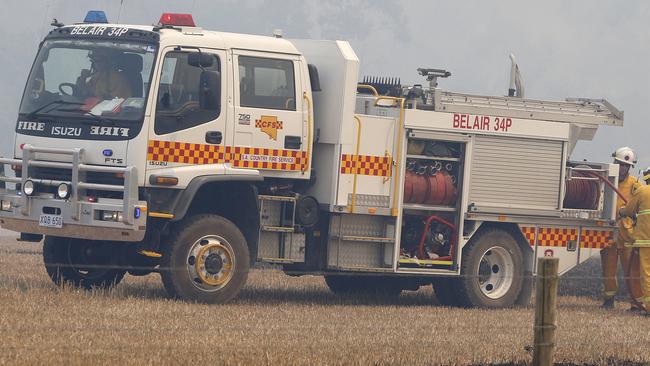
<point>210,263</point>
<point>495,272</point>
<point>88,260</point>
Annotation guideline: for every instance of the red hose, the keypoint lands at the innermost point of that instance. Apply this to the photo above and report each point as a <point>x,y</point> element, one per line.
<point>426,231</point>
<point>610,184</point>
<point>634,252</point>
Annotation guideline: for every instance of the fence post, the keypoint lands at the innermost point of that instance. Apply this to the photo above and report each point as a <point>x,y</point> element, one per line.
<point>545,311</point>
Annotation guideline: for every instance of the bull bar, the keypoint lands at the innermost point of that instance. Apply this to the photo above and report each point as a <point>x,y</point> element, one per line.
<point>81,217</point>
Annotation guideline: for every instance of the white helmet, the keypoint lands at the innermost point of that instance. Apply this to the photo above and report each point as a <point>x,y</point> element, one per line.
<point>625,155</point>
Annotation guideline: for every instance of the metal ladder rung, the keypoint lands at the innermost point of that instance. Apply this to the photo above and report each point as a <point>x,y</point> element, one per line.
<point>278,229</point>
<point>367,239</point>
<point>277,260</point>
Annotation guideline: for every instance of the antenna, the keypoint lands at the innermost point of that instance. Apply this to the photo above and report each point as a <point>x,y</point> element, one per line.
<point>119,13</point>
<point>516,81</point>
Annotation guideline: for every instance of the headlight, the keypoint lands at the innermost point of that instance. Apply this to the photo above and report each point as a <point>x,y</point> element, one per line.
<point>63,191</point>
<point>28,187</point>
<point>115,216</point>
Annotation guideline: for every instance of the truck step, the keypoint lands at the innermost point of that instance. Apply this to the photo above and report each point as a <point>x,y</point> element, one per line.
<point>276,198</point>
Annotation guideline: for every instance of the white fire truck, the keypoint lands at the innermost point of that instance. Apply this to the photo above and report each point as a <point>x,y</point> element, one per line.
<point>196,154</point>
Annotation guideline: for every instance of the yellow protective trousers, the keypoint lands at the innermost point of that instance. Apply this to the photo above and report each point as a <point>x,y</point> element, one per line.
<point>609,258</point>
<point>632,273</point>
<point>644,264</point>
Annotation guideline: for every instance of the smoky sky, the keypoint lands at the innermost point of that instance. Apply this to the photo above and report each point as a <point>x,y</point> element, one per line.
<point>594,49</point>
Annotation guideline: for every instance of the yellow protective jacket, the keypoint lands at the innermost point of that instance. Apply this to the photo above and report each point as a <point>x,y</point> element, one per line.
<point>639,205</point>
<point>625,224</point>
<point>108,85</point>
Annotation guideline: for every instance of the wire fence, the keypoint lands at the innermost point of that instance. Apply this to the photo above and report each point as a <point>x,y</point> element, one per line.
<point>286,320</point>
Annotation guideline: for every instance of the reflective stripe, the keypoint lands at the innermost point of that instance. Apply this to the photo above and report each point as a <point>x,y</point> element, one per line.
<point>610,294</point>
<point>645,299</point>
<point>641,243</point>
<point>643,212</point>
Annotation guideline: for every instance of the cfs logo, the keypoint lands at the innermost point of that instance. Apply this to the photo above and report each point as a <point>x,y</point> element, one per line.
<point>269,125</point>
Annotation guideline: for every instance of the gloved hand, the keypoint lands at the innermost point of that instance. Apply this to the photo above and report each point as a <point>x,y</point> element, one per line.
<point>621,212</point>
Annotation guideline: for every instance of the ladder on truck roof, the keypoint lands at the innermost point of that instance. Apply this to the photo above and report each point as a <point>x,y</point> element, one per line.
<point>573,110</point>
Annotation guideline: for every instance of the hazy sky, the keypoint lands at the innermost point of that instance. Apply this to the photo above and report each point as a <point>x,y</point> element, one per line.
<point>596,49</point>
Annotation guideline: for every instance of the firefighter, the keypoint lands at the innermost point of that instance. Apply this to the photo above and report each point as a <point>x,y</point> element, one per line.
<point>639,206</point>
<point>610,255</point>
<point>103,81</point>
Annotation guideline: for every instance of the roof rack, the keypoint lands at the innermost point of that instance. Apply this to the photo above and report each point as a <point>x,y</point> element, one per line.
<point>572,110</point>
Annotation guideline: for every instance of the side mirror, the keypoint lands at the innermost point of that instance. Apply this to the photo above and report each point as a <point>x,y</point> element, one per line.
<point>199,59</point>
<point>210,90</point>
<point>313,78</point>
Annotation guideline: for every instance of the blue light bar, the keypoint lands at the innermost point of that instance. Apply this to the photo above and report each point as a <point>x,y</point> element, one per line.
<point>96,16</point>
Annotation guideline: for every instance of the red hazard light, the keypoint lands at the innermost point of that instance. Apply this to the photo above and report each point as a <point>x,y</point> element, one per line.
<point>182,20</point>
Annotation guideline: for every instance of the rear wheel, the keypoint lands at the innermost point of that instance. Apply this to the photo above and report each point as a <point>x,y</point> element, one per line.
<point>205,260</point>
<point>492,271</point>
<point>82,263</point>
<point>445,291</point>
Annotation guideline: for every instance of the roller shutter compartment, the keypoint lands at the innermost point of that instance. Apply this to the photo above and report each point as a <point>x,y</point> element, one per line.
<point>516,173</point>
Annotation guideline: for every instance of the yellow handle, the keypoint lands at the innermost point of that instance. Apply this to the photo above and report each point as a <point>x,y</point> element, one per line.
<point>355,159</point>
<point>307,164</point>
<point>368,87</point>
<point>400,102</point>
<point>390,171</point>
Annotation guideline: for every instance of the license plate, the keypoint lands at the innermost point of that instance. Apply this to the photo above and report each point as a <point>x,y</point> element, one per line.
<point>55,221</point>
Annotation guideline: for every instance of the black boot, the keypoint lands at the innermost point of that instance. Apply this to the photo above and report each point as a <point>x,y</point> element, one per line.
<point>608,304</point>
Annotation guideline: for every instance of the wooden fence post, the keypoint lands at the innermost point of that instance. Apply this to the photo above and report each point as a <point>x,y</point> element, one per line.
<point>545,311</point>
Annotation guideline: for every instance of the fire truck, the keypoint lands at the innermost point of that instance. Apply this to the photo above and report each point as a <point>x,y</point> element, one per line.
<point>196,154</point>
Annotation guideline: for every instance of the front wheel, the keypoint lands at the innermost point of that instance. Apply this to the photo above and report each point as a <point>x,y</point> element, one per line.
<point>492,271</point>
<point>82,263</point>
<point>205,260</point>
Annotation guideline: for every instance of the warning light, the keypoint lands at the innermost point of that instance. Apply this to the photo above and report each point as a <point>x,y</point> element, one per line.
<point>181,20</point>
<point>96,16</point>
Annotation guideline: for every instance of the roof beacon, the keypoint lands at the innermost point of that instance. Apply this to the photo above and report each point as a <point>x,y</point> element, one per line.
<point>96,16</point>
<point>181,20</point>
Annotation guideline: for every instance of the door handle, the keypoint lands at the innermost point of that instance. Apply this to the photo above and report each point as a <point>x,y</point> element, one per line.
<point>213,137</point>
<point>292,142</point>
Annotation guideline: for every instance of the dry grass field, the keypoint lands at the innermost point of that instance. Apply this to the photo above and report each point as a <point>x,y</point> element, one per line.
<point>281,320</point>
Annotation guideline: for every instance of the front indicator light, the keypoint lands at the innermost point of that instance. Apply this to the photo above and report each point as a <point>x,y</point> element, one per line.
<point>63,191</point>
<point>5,206</point>
<point>29,187</point>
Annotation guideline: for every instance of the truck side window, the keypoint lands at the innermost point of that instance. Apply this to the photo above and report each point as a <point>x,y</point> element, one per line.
<point>178,106</point>
<point>266,83</point>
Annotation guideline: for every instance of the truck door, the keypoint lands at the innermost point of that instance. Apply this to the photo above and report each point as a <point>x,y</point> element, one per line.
<point>270,131</point>
<point>190,116</point>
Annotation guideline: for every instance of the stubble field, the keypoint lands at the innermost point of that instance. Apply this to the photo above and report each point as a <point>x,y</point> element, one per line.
<point>281,320</point>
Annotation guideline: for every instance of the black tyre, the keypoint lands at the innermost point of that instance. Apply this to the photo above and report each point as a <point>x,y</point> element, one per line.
<point>81,263</point>
<point>527,288</point>
<point>206,260</point>
<point>492,271</point>
<point>348,285</point>
<point>445,291</point>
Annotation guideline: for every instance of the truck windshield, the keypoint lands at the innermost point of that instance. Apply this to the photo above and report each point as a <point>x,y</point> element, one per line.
<point>89,79</point>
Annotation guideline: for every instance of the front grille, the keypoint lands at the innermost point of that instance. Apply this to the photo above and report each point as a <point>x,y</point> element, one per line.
<point>66,176</point>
